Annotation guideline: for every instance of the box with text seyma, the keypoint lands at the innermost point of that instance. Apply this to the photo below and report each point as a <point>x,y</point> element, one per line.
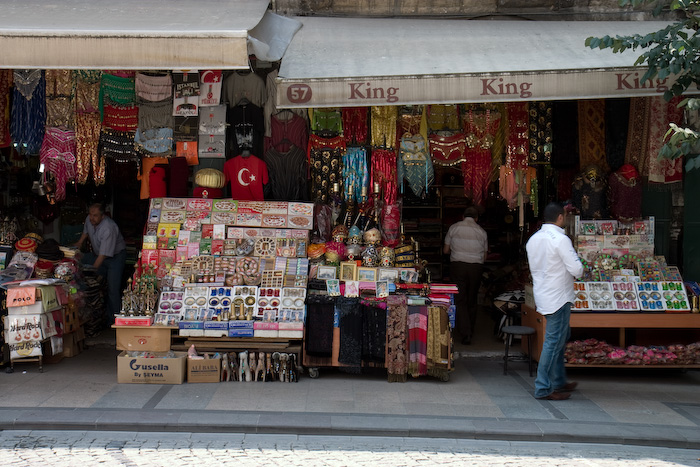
<point>164,368</point>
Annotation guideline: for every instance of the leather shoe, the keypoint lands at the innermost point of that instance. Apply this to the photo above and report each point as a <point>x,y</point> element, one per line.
<point>556,396</point>
<point>568,387</point>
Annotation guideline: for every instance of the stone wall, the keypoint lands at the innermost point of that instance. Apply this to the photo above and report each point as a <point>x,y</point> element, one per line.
<point>591,10</point>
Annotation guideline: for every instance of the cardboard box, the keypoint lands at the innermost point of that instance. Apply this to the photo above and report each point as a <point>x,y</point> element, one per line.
<point>204,371</point>
<point>263,329</point>
<point>152,339</point>
<point>241,332</point>
<point>192,328</point>
<point>158,370</point>
<point>144,321</point>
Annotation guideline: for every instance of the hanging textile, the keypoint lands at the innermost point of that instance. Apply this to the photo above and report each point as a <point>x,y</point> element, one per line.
<point>156,115</point>
<point>120,117</point>
<point>87,91</point>
<point>153,88</point>
<point>443,117</point>
<point>156,141</point>
<point>87,137</point>
<point>589,193</point>
<point>447,150</point>
<point>415,165</point>
<point>417,340</point>
<point>373,333</point>
<point>480,129</point>
<point>355,128</point>
<point>350,325</point>
<point>384,126</point>
<point>438,346</point>
<point>319,325</point>
<point>325,164</point>
<point>591,133</point>
<point>58,156</point>
<point>518,146</point>
<point>287,173</point>
<point>384,173</point>
<point>625,194</point>
<point>28,115</point>
<point>246,129</point>
<point>636,150</point>
<point>355,173</point>
<point>119,90</point>
<point>617,116</point>
<point>565,134</point>
<point>397,336</point>
<point>661,114</point>
<point>540,132</point>
<point>512,182</point>
<point>327,122</point>
<point>5,87</point>
<point>118,146</point>
<point>148,164</point>
<point>60,98</point>
<point>287,129</point>
<point>413,120</point>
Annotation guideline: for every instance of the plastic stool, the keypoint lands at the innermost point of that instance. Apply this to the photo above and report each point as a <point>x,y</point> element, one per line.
<point>522,331</point>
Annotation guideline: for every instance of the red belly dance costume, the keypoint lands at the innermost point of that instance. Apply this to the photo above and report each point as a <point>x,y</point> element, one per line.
<point>480,128</point>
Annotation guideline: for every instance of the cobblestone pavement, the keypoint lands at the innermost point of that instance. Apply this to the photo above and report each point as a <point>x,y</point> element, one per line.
<point>111,448</point>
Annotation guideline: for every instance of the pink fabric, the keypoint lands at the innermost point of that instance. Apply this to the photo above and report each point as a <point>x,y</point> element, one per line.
<point>58,156</point>
<point>662,113</point>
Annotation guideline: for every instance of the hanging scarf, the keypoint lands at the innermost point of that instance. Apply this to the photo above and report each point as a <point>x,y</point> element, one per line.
<point>439,338</point>
<point>373,333</point>
<point>415,165</point>
<point>661,114</point>
<point>417,340</point>
<point>540,132</point>
<point>28,116</point>
<point>5,87</point>
<point>325,165</point>
<point>636,150</point>
<point>384,126</point>
<point>355,173</point>
<point>591,131</point>
<point>518,146</point>
<point>384,173</point>
<point>397,333</point>
<point>58,156</point>
<point>319,326</point>
<point>87,137</point>
<point>350,324</point>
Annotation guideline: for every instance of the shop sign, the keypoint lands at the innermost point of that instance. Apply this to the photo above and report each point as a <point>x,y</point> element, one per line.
<point>501,87</point>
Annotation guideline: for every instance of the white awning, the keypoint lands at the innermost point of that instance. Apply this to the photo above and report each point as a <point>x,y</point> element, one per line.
<point>127,34</point>
<point>367,61</point>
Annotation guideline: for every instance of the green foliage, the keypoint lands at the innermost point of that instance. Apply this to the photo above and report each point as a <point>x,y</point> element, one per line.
<point>673,50</point>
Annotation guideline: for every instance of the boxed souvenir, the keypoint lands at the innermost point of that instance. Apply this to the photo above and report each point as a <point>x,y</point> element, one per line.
<point>140,321</point>
<point>199,204</point>
<point>581,298</point>
<point>248,219</point>
<point>650,298</point>
<point>191,328</point>
<point>291,330</point>
<point>625,296</point>
<point>675,297</point>
<point>207,370</point>
<point>224,205</point>
<point>158,368</point>
<point>150,242</point>
<point>215,328</point>
<point>240,328</point>
<point>263,329</point>
<point>228,218</point>
<point>151,338</point>
<point>251,207</point>
<point>600,296</point>
<point>172,216</point>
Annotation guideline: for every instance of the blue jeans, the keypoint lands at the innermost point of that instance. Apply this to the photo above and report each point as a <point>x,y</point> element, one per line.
<point>551,373</point>
<point>112,269</point>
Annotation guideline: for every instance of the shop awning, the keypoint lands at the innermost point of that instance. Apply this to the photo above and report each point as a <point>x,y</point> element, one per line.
<point>127,34</point>
<point>367,61</point>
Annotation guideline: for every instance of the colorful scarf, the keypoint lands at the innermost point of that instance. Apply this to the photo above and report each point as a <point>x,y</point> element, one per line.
<point>397,331</point>
<point>417,340</point>
<point>591,130</point>
<point>439,339</point>
<point>384,173</point>
<point>355,173</point>
<point>415,165</point>
<point>58,156</point>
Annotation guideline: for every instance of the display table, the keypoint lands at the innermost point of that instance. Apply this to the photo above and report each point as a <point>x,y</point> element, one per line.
<point>615,320</point>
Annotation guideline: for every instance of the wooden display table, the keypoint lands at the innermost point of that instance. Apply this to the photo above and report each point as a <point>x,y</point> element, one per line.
<point>614,320</point>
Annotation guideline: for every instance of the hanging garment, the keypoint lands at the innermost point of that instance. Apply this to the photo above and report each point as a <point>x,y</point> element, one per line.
<point>245,130</point>
<point>373,333</point>
<point>518,146</point>
<point>287,129</point>
<point>87,137</point>
<point>155,115</point>
<point>60,98</point>
<point>355,125</point>
<point>443,117</point>
<point>146,174</point>
<point>117,89</point>
<point>327,122</point>
<point>565,134</point>
<point>120,117</point>
<point>28,115</point>
<point>439,338</point>
<point>412,121</point>
<point>480,130</point>
<point>540,132</point>
<point>319,326</point>
<point>397,334</point>
<point>384,126</point>
<point>418,340</point>
<point>448,150</point>
<point>589,193</point>
<point>355,173</point>
<point>385,174</point>
<point>58,156</point>
<point>636,150</point>
<point>617,116</point>
<point>5,87</point>
<point>591,133</point>
<point>87,91</point>
<point>150,88</point>
<point>625,194</point>
<point>118,146</point>
<point>154,141</point>
<point>246,176</point>
<point>287,172</point>
<point>512,182</point>
<point>350,325</point>
<point>244,86</point>
<point>178,175</point>
<point>186,128</point>
<point>661,114</point>
<point>414,165</point>
<point>325,165</point>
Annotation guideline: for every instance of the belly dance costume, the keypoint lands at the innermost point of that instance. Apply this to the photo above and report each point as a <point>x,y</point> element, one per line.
<point>87,128</point>
<point>414,165</point>
<point>326,165</point>
<point>58,156</point>
<point>480,128</point>
<point>28,114</point>
<point>60,95</point>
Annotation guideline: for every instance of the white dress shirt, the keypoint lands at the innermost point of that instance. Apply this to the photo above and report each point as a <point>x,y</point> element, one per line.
<point>554,264</point>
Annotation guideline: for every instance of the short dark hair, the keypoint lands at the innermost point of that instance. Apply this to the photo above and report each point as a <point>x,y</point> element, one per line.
<point>472,212</point>
<point>99,206</point>
<point>552,212</point>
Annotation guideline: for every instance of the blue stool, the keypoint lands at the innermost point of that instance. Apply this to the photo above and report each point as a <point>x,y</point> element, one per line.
<point>523,331</point>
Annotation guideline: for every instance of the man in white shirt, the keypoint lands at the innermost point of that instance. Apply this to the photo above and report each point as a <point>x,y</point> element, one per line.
<point>553,264</point>
<point>467,244</point>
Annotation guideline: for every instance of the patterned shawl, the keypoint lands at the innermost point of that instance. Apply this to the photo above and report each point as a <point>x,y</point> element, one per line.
<point>397,331</point>
<point>591,128</point>
<point>439,339</point>
<point>417,340</point>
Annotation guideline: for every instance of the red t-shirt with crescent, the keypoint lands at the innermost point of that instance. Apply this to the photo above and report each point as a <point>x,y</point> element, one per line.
<point>247,176</point>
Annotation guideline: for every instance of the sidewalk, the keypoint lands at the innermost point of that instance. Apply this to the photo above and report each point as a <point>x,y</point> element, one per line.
<point>643,407</point>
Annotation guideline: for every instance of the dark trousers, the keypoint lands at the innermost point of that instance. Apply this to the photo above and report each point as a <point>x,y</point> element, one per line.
<point>112,269</point>
<point>467,276</point>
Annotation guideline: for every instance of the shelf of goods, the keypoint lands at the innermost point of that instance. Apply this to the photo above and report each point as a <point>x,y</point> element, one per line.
<point>621,321</point>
